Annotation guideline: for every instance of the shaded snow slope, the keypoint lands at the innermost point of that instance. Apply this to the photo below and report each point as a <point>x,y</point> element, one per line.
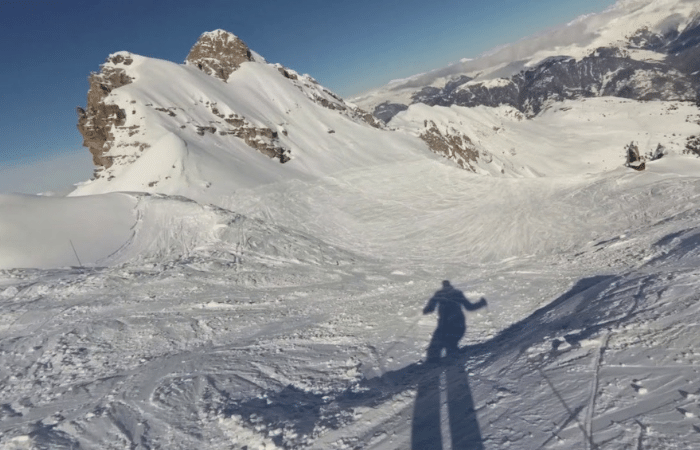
<point>37,231</point>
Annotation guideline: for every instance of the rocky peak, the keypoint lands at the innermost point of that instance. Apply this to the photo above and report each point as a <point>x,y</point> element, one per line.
<point>451,144</point>
<point>218,53</point>
<point>96,120</point>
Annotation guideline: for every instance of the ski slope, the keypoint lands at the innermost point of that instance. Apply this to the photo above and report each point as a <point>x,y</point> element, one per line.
<point>291,316</point>
<point>569,138</point>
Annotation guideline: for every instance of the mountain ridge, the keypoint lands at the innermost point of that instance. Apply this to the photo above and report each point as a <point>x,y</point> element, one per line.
<point>639,44</point>
<point>227,118</point>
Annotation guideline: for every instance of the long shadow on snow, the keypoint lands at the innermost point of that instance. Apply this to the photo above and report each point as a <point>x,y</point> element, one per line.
<point>576,315</point>
<point>448,377</point>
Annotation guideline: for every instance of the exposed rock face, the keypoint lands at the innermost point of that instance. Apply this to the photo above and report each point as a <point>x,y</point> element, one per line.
<point>286,73</point>
<point>262,139</point>
<point>633,156</point>
<point>385,111</point>
<point>96,121</point>
<point>605,72</point>
<point>368,118</point>
<point>451,144</point>
<point>219,53</point>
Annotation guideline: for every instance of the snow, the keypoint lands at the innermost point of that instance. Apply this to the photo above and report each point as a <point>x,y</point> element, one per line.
<point>295,321</point>
<point>242,303</point>
<point>645,55</point>
<point>496,82</point>
<point>176,160</point>
<point>37,231</point>
<point>568,139</point>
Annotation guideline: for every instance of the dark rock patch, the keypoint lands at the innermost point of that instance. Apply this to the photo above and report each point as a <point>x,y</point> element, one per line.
<point>219,53</point>
<point>97,118</point>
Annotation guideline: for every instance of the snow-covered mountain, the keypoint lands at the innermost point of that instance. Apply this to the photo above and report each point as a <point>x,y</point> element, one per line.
<point>644,51</point>
<point>224,120</point>
<point>252,263</point>
<point>639,49</point>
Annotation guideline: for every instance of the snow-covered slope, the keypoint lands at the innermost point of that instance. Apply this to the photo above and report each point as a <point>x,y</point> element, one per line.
<point>299,324</point>
<point>574,137</point>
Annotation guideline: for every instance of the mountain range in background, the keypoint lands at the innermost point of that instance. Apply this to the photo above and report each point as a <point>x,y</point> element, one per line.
<point>636,50</point>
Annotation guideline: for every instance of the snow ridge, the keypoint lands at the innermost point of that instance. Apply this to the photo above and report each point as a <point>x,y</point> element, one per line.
<point>208,127</point>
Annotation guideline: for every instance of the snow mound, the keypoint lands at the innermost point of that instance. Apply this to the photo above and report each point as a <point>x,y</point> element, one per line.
<point>41,232</point>
<point>144,229</point>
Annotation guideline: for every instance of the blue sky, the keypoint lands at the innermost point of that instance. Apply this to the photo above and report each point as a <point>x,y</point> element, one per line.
<point>50,47</point>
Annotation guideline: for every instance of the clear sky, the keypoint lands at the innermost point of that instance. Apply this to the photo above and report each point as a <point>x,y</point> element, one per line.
<point>50,47</point>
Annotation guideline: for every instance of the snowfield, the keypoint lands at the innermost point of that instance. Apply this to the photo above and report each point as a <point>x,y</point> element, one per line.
<point>569,138</point>
<point>291,317</point>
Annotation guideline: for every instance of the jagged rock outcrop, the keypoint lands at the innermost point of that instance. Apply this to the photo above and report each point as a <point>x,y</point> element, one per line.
<point>97,120</point>
<point>323,97</point>
<point>658,153</point>
<point>262,139</point>
<point>634,159</point>
<point>385,111</point>
<point>219,53</point>
<point>637,161</point>
<point>605,72</point>
<point>451,144</point>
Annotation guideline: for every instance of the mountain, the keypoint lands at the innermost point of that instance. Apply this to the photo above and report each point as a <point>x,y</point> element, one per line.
<point>641,49</point>
<point>223,120</point>
<point>227,119</point>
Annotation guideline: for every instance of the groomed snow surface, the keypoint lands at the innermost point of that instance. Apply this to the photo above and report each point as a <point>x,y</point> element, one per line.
<point>290,315</point>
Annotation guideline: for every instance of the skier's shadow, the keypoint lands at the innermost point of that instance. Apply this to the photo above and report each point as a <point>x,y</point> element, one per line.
<point>580,308</point>
<point>444,390</point>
